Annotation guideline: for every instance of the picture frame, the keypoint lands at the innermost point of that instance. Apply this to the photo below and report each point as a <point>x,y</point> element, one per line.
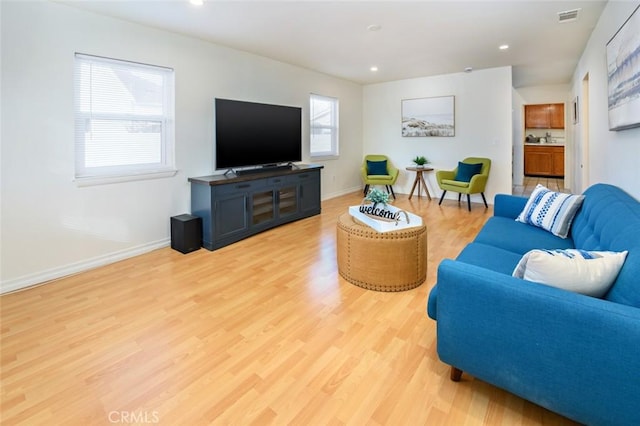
<point>428,117</point>
<point>623,75</point>
<point>576,110</point>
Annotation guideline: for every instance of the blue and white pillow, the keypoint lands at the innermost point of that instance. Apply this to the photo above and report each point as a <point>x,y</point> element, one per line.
<point>551,211</point>
<point>587,272</point>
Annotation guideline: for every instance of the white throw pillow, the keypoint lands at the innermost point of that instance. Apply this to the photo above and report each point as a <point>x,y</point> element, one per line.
<point>551,211</point>
<point>587,272</point>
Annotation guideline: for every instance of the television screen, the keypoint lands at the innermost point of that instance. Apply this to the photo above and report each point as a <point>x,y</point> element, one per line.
<point>252,134</point>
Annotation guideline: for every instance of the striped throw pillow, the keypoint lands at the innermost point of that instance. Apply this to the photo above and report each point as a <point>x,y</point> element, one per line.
<point>551,211</point>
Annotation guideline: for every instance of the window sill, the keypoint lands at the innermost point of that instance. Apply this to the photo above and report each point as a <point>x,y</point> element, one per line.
<point>324,157</point>
<point>104,180</point>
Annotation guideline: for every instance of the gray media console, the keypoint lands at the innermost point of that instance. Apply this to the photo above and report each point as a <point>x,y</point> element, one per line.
<point>235,207</point>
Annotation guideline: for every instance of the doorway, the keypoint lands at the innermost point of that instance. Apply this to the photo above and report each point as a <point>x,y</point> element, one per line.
<point>582,145</point>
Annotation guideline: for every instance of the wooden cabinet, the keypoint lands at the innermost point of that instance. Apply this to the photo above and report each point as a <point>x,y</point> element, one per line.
<point>236,207</point>
<point>556,116</point>
<point>544,116</point>
<point>536,117</point>
<point>544,160</point>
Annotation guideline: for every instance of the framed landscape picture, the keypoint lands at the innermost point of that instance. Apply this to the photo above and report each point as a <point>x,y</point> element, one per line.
<point>428,116</point>
<point>623,75</point>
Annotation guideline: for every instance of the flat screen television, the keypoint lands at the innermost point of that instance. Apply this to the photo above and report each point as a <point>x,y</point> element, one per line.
<point>256,134</point>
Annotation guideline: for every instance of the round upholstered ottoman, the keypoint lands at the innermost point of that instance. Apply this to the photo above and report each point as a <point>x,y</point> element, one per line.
<point>383,261</point>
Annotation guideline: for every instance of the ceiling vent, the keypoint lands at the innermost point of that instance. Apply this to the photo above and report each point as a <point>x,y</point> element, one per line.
<point>568,15</point>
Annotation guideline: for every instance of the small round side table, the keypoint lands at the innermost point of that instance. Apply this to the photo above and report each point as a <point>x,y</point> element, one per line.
<point>419,180</point>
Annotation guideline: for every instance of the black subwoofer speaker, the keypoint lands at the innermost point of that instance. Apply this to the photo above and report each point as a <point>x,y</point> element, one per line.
<point>186,233</point>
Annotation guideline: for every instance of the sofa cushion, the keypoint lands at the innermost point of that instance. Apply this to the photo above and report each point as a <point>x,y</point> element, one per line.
<point>581,271</point>
<point>518,237</point>
<point>455,183</point>
<point>489,257</point>
<point>549,210</point>
<point>377,167</point>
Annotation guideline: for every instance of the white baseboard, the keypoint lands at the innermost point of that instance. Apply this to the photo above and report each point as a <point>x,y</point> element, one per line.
<point>342,192</point>
<point>73,268</point>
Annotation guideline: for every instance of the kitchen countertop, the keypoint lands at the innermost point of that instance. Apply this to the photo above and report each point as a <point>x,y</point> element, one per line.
<point>544,144</point>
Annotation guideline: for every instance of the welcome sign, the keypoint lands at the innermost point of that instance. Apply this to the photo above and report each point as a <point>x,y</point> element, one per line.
<point>384,219</point>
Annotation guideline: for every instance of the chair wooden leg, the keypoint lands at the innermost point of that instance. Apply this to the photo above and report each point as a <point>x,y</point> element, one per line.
<point>459,195</point>
<point>456,374</point>
<point>469,201</point>
<point>366,189</point>
<point>442,198</point>
<point>392,193</point>
<point>485,200</point>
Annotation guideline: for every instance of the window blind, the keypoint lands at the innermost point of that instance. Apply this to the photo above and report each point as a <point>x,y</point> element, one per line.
<point>124,114</point>
<point>323,126</point>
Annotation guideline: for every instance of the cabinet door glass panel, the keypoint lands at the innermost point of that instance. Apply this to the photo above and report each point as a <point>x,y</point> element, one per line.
<point>288,202</point>
<point>262,207</point>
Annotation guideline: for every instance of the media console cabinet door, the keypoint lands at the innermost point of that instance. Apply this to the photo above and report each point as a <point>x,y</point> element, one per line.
<point>309,186</point>
<point>230,215</point>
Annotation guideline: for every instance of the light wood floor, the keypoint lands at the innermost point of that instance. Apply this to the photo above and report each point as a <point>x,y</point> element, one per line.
<point>261,332</point>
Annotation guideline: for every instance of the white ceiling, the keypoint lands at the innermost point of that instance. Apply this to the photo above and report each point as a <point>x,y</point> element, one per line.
<point>416,38</point>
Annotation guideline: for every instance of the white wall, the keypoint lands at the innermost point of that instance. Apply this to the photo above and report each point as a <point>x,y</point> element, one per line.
<point>483,126</point>
<point>50,227</point>
<point>613,156</point>
<point>517,118</point>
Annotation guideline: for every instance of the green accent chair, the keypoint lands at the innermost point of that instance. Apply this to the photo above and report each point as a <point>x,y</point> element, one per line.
<point>387,179</point>
<point>476,184</point>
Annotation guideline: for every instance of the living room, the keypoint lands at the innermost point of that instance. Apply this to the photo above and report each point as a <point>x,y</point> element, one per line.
<point>52,227</point>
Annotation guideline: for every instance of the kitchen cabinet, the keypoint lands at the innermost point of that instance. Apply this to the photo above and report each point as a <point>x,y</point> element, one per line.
<point>544,116</point>
<point>544,160</point>
<point>556,116</point>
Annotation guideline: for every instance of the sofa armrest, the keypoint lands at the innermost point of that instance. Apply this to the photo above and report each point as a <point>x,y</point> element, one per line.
<point>573,354</point>
<point>508,205</point>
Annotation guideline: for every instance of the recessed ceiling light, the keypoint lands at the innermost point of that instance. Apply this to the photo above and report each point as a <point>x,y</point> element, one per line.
<point>196,2</point>
<point>373,69</point>
<point>503,47</point>
<point>468,69</point>
<point>374,27</point>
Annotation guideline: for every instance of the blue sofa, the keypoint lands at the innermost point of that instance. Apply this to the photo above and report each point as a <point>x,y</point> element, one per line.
<point>576,355</point>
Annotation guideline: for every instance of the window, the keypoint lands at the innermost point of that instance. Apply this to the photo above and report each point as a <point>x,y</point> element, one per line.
<point>123,119</point>
<point>323,126</point>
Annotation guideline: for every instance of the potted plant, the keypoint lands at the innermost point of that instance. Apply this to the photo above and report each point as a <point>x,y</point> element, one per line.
<point>375,196</point>
<point>420,161</point>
